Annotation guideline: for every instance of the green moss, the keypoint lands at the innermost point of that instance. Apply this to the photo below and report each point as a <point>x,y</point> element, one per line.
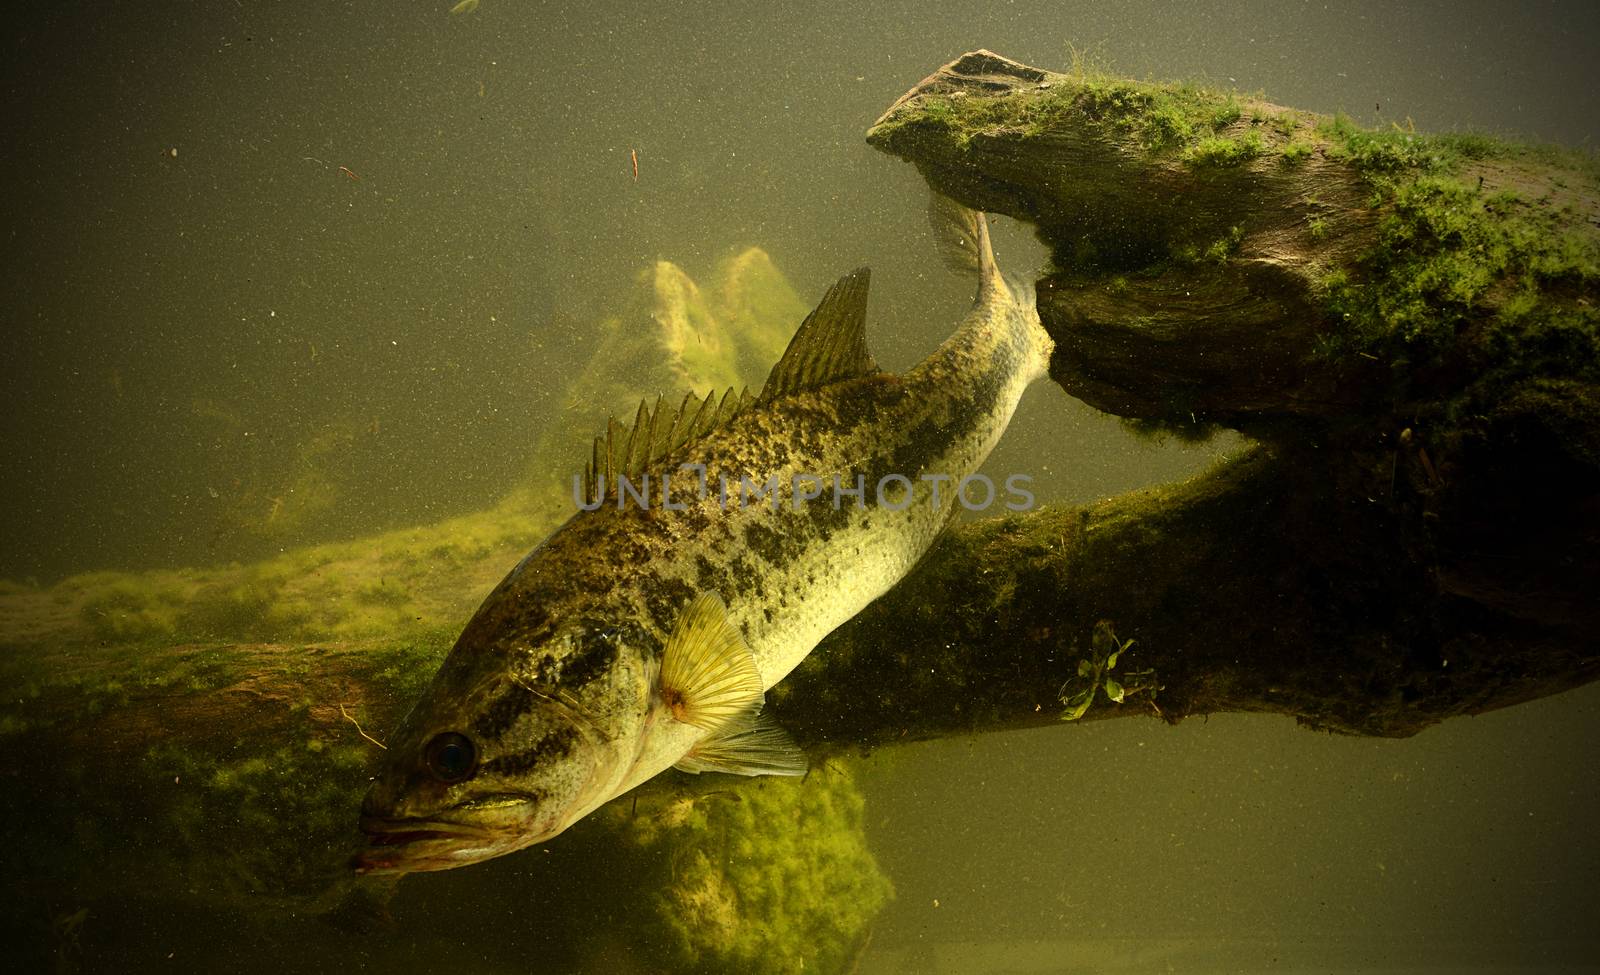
<point>1441,249</point>
<point>1384,154</point>
<point>1285,123</point>
<point>772,876</point>
<point>1224,247</point>
<point>1467,295</point>
<point>1225,112</point>
<point>1209,252</point>
<point>125,610</point>
<point>1151,116</point>
<point>1221,151</point>
<point>1297,152</point>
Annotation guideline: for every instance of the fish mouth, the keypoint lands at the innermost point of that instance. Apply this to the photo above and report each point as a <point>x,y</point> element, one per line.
<point>397,846</point>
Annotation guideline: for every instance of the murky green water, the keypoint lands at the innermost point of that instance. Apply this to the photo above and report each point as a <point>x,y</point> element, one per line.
<point>294,275</point>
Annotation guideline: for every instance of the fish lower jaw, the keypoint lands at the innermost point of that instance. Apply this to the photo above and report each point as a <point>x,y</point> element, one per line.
<point>400,848</point>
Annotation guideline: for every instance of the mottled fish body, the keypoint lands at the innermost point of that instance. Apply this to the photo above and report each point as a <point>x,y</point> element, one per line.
<point>643,633</point>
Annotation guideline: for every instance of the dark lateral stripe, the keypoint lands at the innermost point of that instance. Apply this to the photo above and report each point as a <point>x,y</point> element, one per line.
<point>593,656</point>
<point>553,747</point>
<point>503,712</point>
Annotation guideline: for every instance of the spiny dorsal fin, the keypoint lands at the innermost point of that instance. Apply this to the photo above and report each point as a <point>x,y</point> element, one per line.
<point>830,345</point>
<point>633,450</point>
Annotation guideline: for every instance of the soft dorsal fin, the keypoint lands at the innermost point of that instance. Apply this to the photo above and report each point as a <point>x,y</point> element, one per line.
<point>632,449</point>
<point>830,345</point>
<point>708,674</point>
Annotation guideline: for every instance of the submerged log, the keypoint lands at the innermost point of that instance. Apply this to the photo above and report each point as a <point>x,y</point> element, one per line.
<point>1411,322</point>
<point>1219,255</point>
<point>1255,587</point>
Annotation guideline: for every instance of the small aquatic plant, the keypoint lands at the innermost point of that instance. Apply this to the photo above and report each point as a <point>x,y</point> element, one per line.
<point>1095,675</point>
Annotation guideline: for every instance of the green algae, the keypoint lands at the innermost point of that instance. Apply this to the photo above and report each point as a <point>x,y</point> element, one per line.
<point>409,581</point>
<point>1151,116</point>
<point>1296,152</point>
<point>771,876</point>
<point>1465,292</point>
<point>277,824</point>
<point>1221,151</point>
<point>124,611</point>
<point>228,814</point>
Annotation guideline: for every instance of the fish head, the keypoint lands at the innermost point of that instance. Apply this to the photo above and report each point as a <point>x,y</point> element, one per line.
<point>504,750</point>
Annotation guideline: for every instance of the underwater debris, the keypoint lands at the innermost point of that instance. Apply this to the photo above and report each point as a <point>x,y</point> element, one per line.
<point>351,718</point>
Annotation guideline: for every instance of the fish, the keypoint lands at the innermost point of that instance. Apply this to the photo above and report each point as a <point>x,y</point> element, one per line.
<point>643,633</point>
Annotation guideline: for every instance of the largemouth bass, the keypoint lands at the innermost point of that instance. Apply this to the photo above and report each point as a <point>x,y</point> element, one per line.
<point>726,538</point>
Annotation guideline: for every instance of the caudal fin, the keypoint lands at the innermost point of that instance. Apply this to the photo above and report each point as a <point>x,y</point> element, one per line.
<point>962,236</point>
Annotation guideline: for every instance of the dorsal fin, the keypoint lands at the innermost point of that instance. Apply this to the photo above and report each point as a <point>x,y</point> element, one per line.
<point>634,449</point>
<point>830,345</point>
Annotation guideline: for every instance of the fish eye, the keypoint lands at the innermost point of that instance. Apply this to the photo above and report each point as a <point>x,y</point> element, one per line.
<point>450,756</point>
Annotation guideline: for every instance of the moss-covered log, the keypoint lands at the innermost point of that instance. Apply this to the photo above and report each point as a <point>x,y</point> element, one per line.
<point>247,759</point>
<point>1412,322</point>
<point>1219,257</point>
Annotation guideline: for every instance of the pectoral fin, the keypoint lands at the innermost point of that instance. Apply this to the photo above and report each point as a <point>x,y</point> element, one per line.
<point>708,674</point>
<point>747,745</point>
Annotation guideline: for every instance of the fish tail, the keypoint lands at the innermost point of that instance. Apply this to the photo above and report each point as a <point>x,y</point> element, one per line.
<point>989,279</point>
<point>962,236</point>
<point>1040,345</point>
<point>1023,300</point>
<point>956,232</point>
